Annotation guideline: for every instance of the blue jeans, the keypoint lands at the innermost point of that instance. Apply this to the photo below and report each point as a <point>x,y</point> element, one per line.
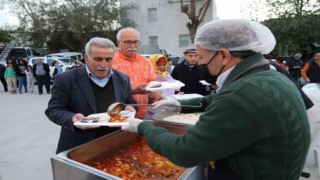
<point>22,81</point>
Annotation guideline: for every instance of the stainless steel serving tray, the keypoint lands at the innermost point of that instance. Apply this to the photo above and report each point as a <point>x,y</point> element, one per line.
<point>70,165</point>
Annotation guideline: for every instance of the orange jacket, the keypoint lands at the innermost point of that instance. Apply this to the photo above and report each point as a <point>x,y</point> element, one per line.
<point>304,71</point>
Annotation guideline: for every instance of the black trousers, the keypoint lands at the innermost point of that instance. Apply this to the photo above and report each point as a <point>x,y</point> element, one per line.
<point>4,83</point>
<point>43,80</point>
<point>221,172</point>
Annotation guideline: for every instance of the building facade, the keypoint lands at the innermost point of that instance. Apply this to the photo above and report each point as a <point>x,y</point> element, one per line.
<point>161,22</point>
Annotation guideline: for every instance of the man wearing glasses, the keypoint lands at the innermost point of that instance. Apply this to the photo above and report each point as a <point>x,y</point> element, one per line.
<point>137,67</point>
<point>254,127</point>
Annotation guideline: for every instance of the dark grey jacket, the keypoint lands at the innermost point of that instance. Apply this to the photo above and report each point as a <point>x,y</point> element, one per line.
<point>2,70</point>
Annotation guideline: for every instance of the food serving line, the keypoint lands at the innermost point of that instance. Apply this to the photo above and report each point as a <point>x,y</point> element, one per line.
<point>72,164</point>
<point>83,162</point>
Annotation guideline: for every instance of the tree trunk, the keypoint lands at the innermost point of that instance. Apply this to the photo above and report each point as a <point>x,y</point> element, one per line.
<point>192,31</point>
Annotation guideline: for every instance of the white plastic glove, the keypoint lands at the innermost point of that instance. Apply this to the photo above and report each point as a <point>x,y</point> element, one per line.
<point>307,80</point>
<point>132,126</point>
<point>169,103</point>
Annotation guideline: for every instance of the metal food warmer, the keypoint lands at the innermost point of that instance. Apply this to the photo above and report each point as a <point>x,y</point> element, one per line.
<point>69,165</point>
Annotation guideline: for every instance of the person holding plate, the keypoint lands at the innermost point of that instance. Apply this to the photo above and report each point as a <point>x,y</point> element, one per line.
<point>87,90</point>
<point>137,67</point>
<point>254,127</point>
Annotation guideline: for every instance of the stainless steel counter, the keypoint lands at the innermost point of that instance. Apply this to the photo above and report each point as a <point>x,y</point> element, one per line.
<point>69,165</point>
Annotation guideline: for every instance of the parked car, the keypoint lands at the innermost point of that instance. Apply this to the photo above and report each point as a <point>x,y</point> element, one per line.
<point>20,52</point>
<point>72,55</point>
<point>64,62</point>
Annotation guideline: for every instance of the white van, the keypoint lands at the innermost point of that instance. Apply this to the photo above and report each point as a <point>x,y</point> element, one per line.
<point>64,62</point>
<point>72,55</point>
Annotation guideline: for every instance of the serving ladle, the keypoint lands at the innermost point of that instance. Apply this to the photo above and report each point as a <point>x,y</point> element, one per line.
<point>117,107</point>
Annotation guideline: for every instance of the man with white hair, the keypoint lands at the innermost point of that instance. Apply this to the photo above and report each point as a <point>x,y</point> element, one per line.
<point>137,67</point>
<point>295,65</point>
<point>87,90</point>
<point>254,127</point>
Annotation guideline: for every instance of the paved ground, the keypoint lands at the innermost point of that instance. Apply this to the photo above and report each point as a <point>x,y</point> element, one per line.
<point>28,139</point>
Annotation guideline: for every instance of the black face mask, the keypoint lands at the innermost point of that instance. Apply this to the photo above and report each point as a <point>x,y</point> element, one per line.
<point>205,74</point>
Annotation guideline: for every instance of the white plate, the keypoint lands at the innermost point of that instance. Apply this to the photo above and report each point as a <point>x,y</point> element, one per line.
<point>175,84</point>
<point>186,96</point>
<point>203,82</point>
<point>104,120</point>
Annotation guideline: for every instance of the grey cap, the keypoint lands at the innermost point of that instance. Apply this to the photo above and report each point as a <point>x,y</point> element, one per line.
<point>298,55</point>
<point>190,48</point>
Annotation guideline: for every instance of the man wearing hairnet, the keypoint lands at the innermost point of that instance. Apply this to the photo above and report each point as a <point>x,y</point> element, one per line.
<point>254,127</point>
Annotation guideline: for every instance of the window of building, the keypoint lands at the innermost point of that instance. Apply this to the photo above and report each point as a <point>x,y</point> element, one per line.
<point>184,40</point>
<point>153,40</point>
<point>152,15</point>
<point>185,8</point>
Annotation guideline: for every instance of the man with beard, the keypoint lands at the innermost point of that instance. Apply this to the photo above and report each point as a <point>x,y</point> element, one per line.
<point>254,127</point>
<point>87,90</point>
<point>188,73</point>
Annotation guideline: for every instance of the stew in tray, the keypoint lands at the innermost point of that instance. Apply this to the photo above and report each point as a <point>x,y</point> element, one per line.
<point>139,162</point>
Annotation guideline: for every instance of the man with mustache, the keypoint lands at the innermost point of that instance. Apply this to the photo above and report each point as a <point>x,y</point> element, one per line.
<point>86,90</point>
<point>137,67</point>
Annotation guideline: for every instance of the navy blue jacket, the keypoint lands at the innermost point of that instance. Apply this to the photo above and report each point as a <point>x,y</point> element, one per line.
<point>71,94</point>
<point>295,67</point>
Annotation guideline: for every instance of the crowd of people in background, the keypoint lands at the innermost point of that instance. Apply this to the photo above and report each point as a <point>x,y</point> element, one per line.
<point>301,69</point>
<point>19,77</point>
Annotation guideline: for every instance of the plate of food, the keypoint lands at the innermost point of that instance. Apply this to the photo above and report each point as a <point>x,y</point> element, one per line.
<point>159,86</point>
<point>118,120</point>
<point>104,119</point>
<point>186,96</point>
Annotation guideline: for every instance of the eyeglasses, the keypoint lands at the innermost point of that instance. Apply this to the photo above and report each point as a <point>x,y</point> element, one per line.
<point>199,58</point>
<point>127,42</point>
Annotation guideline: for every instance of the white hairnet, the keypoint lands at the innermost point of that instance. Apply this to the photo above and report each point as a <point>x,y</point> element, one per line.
<point>235,35</point>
